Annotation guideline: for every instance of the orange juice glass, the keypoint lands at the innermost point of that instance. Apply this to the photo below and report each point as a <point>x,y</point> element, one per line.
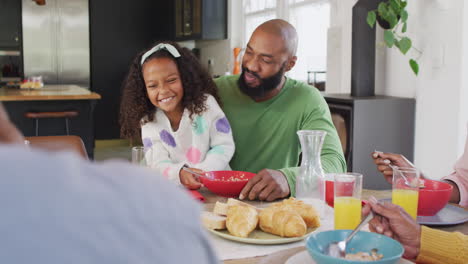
<point>347,202</point>
<point>405,189</point>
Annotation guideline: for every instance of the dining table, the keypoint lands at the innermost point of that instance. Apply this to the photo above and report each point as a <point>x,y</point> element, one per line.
<point>232,252</point>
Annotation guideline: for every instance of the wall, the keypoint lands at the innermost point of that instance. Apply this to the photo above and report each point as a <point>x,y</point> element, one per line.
<point>438,28</point>
<point>463,118</point>
<point>339,47</point>
<point>438,88</point>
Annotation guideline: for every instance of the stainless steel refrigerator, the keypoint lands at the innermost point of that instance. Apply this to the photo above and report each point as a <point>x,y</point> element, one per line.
<point>56,41</point>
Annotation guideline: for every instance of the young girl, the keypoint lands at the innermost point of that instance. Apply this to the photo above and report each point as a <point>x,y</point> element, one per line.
<point>175,102</point>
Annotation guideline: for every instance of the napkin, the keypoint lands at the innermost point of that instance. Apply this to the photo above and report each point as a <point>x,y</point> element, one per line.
<point>196,195</point>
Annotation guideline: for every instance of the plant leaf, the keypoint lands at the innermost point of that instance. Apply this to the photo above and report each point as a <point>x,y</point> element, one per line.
<point>404,15</point>
<point>392,18</point>
<point>397,43</point>
<point>414,66</point>
<point>403,4</point>
<point>371,17</point>
<point>403,30</point>
<point>393,22</point>
<point>395,5</point>
<point>382,9</point>
<point>389,38</point>
<point>405,44</point>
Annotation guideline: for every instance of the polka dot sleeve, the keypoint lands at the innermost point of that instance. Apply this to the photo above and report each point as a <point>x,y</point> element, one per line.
<point>221,142</point>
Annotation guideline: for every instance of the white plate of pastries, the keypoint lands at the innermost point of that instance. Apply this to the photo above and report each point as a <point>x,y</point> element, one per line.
<point>283,222</point>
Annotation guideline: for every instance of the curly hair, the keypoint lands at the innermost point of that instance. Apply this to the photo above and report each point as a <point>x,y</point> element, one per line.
<point>135,104</point>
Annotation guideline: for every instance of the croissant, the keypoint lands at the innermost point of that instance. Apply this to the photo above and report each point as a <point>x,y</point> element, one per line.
<point>282,222</point>
<point>307,212</point>
<point>241,220</point>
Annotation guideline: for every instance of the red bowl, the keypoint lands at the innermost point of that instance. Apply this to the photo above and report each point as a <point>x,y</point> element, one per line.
<point>227,183</point>
<point>433,197</point>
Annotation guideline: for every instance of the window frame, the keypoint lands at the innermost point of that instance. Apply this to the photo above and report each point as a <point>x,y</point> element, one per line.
<point>281,10</point>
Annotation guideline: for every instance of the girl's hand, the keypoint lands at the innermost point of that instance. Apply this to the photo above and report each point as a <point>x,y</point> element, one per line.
<point>189,180</point>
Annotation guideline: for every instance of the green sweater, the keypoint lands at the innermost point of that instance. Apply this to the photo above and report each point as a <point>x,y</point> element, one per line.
<point>265,132</point>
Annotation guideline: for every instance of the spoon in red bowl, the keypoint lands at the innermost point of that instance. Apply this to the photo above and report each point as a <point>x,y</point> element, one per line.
<point>187,169</point>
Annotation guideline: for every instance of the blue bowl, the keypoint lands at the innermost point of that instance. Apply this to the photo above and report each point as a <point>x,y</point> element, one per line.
<point>362,242</point>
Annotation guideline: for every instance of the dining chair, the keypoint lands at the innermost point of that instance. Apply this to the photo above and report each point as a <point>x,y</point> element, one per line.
<point>59,143</point>
<point>340,125</point>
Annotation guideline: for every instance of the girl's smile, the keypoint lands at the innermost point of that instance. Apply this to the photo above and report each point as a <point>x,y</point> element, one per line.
<point>167,99</point>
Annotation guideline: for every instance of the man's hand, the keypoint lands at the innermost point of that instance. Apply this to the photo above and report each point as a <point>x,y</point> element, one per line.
<point>392,221</point>
<point>267,185</point>
<point>189,180</point>
<point>382,160</point>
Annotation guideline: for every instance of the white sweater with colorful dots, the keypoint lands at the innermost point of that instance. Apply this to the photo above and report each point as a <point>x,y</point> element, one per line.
<point>204,142</point>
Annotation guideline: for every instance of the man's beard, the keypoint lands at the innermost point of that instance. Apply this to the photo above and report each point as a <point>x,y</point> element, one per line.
<point>266,85</point>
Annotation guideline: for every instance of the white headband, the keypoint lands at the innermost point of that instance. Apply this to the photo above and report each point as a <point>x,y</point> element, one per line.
<point>171,49</point>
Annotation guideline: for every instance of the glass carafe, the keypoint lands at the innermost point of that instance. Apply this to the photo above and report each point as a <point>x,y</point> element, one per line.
<point>310,182</point>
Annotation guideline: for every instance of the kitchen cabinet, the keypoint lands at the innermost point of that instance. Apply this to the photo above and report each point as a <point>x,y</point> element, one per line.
<point>10,24</point>
<point>200,19</point>
<point>117,35</point>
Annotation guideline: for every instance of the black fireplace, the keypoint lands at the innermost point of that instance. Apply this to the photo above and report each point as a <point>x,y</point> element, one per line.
<point>383,123</point>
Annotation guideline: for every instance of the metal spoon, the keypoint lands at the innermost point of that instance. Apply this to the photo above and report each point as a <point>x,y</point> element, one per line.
<point>185,168</point>
<point>338,249</point>
<point>396,168</point>
<point>407,182</point>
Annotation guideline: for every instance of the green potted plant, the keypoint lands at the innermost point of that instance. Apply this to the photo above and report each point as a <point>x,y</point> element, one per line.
<point>392,16</point>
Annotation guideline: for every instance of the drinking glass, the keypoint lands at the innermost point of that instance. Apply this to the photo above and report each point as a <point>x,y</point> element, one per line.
<point>329,188</point>
<point>405,189</point>
<point>347,202</point>
<point>140,156</point>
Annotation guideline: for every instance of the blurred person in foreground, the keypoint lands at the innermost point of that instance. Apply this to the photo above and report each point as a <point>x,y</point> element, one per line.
<point>58,208</point>
<point>458,178</point>
<point>9,134</point>
<point>421,243</point>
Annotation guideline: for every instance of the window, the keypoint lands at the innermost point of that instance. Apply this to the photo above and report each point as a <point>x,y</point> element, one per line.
<point>311,18</point>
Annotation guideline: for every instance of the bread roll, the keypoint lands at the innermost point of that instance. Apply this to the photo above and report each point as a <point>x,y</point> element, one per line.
<point>213,221</point>
<point>282,222</point>
<point>241,220</point>
<point>307,212</point>
<point>232,201</point>
<point>220,208</point>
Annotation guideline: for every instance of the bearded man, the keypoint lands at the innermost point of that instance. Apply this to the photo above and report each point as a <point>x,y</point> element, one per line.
<point>266,109</point>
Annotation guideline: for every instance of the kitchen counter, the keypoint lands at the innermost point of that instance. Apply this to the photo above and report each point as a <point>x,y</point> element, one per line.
<point>48,92</point>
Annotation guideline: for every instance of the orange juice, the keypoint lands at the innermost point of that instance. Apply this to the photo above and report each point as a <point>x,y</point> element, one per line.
<point>408,199</point>
<point>347,212</point>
